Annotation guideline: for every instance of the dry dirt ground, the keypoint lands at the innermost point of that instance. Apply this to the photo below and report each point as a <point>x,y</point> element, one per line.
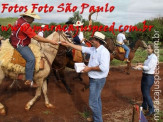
<point>121,91</point>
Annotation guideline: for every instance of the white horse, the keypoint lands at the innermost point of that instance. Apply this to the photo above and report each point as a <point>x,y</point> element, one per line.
<point>49,51</point>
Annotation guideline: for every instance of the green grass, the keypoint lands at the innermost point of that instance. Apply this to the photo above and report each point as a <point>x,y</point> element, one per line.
<point>160,115</point>
<point>140,57</point>
<point>6,21</point>
<point>161,55</point>
<point>47,112</point>
<point>85,114</point>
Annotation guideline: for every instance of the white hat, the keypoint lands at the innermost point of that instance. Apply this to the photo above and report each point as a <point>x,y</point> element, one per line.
<point>30,14</point>
<point>42,26</point>
<point>78,23</point>
<point>100,36</point>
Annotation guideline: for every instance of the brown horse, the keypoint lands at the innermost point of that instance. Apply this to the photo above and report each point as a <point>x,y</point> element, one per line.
<point>62,60</point>
<point>121,56</point>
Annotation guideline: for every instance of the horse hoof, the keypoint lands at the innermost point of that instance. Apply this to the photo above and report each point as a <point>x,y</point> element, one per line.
<point>49,105</point>
<point>2,112</point>
<point>128,73</point>
<point>27,107</point>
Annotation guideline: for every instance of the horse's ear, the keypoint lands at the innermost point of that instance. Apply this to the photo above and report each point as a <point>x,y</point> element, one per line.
<point>145,45</point>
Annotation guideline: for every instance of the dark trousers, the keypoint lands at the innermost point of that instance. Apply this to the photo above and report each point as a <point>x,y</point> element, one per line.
<point>146,84</point>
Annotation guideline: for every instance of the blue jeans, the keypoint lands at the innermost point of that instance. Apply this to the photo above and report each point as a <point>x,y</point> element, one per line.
<point>27,54</point>
<point>126,49</point>
<point>146,83</point>
<point>96,86</point>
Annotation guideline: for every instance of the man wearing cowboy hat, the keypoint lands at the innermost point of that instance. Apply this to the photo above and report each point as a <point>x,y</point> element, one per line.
<point>98,69</point>
<point>21,38</point>
<point>79,38</point>
<point>69,32</point>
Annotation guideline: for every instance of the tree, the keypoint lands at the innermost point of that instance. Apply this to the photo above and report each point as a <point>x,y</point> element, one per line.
<point>76,17</point>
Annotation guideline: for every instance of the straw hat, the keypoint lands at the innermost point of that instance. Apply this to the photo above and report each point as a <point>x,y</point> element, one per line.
<point>78,23</point>
<point>100,36</point>
<point>30,14</point>
<point>42,26</point>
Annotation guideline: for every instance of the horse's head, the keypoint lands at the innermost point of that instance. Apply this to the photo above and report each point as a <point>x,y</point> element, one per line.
<point>110,44</point>
<point>140,43</point>
<point>60,36</point>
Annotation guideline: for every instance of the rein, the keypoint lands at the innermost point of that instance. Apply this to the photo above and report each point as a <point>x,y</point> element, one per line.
<point>60,54</point>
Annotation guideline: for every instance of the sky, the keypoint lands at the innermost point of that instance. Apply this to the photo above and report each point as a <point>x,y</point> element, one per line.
<point>126,12</point>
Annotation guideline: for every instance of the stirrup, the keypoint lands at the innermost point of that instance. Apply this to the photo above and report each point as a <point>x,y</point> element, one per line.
<point>126,59</point>
<point>30,83</point>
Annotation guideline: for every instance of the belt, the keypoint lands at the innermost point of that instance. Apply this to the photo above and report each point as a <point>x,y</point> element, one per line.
<point>91,78</point>
<point>145,74</point>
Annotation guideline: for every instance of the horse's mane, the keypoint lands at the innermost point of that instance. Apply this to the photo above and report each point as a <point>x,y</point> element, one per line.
<point>132,44</point>
<point>110,44</point>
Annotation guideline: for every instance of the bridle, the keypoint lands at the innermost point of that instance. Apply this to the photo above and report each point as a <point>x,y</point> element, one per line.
<point>60,35</point>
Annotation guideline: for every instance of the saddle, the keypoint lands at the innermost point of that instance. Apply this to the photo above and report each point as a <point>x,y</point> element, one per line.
<point>78,56</point>
<point>12,60</point>
<point>120,49</point>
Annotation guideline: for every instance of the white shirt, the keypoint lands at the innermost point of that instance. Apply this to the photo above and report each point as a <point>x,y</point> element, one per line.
<point>150,64</point>
<point>41,33</point>
<point>120,38</point>
<point>81,36</point>
<point>98,57</point>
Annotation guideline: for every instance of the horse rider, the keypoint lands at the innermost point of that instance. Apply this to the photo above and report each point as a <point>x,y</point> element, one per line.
<point>21,38</point>
<point>79,38</point>
<point>69,33</point>
<point>121,39</point>
<point>41,31</point>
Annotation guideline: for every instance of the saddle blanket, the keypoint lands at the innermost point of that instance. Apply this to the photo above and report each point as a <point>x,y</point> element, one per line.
<point>13,61</point>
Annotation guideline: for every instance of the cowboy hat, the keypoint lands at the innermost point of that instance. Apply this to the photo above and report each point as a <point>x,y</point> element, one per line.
<point>100,36</point>
<point>42,26</point>
<point>30,14</point>
<point>78,23</point>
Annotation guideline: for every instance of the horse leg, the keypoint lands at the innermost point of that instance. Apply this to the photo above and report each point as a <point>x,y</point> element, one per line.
<point>66,86</point>
<point>44,89</point>
<point>78,77</point>
<point>128,67</point>
<point>2,108</point>
<point>61,77</point>
<point>32,101</point>
<point>85,85</point>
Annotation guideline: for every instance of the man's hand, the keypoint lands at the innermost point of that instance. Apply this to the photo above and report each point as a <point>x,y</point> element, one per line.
<point>54,42</point>
<point>83,40</point>
<point>86,69</point>
<point>65,43</point>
